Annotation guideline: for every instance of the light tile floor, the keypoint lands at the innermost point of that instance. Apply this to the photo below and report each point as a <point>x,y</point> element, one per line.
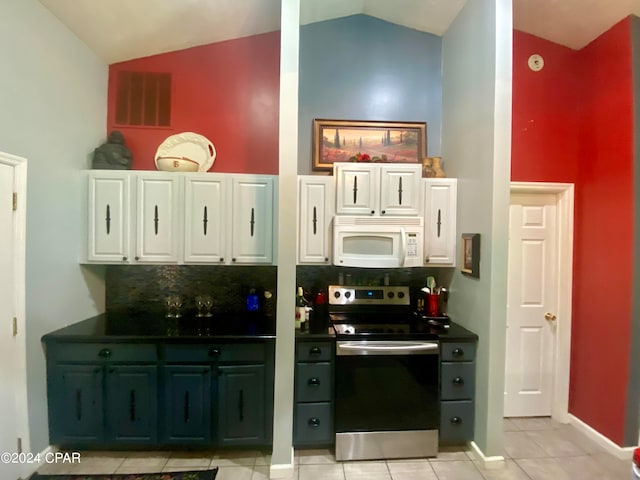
<point>535,449</point>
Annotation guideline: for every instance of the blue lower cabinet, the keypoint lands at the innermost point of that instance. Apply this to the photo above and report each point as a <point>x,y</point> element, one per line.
<point>241,410</point>
<point>132,404</point>
<point>75,404</point>
<point>187,405</point>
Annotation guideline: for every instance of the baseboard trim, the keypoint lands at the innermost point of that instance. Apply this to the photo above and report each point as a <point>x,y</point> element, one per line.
<point>284,471</point>
<point>623,453</point>
<point>489,462</point>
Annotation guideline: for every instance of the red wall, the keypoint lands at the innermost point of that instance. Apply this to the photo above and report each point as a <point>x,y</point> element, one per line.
<point>604,235</point>
<point>572,122</point>
<point>226,91</point>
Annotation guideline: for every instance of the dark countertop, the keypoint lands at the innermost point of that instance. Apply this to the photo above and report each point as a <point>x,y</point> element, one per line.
<point>143,326</point>
<point>457,333</point>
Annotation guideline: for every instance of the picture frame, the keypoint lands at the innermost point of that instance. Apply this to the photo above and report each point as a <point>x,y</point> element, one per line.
<point>390,142</point>
<point>471,254</point>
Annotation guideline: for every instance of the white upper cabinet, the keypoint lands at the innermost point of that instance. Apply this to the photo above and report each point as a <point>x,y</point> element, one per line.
<point>400,189</point>
<point>157,217</point>
<point>161,217</point>
<point>315,203</point>
<point>252,213</point>
<point>377,189</point>
<point>440,199</point>
<point>109,217</point>
<point>205,202</point>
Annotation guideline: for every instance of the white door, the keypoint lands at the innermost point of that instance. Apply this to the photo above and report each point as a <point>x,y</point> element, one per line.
<point>9,351</point>
<point>532,305</point>
<point>440,210</point>
<point>315,201</point>
<point>400,189</point>
<point>357,189</point>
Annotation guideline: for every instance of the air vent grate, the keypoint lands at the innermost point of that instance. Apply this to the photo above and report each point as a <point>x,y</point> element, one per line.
<point>143,99</point>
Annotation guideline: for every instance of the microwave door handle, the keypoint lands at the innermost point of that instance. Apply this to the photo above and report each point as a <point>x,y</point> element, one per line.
<point>403,244</point>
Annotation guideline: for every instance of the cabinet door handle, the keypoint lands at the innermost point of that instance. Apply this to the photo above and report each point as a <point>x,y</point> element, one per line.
<point>457,352</point>
<point>214,352</point>
<point>355,189</point>
<point>383,212</point>
<point>252,222</point>
<point>314,422</point>
<point>186,406</point>
<point>104,353</point>
<point>241,405</point>
<point>313,382</point>
<point>315,221</point>
<point>458,381</point>
<point>108,219</point>
<point>456,420</point>
<point>78,404</point>
<point>315,351</point>
<point>132,405</point>
<point>399,190</point>
<point>156,219</point>
<point>205,220</point>
<point>439,222</point>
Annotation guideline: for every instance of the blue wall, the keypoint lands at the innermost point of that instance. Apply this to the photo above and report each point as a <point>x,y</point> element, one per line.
<point>363,68</point>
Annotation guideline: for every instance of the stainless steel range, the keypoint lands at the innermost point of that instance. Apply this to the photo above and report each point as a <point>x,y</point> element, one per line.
<point>386,375</point>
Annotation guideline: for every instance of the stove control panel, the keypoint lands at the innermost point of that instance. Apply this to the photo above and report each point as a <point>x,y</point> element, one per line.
<point>356,295</point>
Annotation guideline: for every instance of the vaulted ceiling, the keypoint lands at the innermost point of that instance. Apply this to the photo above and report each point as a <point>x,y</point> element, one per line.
<point>119,30</point>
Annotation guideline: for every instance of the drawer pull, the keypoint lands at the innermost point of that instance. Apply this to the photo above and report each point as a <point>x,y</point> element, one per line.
<point>456,420</point>
<point>315,351</point>
<point>314,422</point>
<point>313,382</point>
<point>458,352</point>
<point>104,353</point>
<point>458,381</point>
<point>214,352</point>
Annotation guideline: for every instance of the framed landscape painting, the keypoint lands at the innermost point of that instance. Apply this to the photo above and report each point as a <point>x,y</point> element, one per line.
<point>392,142</point>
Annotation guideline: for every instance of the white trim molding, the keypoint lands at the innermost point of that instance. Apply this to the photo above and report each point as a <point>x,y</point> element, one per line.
<point>623,453</point>
<point>565,194</point>
<point>494,462</point>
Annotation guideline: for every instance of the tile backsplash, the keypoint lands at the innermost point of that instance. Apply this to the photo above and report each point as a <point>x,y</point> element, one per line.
<point>144,287</point>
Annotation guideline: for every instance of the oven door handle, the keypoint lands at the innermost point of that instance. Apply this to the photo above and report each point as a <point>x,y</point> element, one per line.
<point>386,348</point>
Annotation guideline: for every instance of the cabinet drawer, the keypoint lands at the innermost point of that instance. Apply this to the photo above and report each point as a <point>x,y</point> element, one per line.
<point>101,352</point>
<point>456,421</point>
<point>458,352</point>
<point>314,351</point>
<point>313,424</point>
<point>457,380</point>
<point>236,353</point>
<point>313,382</point>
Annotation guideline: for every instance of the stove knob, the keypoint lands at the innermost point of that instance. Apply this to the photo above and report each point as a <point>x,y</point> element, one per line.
<point>337,294</point>
<point>391,294</point>
<point>400,294</point>
<point>347,294</point>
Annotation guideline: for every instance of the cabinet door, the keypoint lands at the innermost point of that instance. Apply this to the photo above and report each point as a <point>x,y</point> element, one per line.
<point>440,197</point>
<point>157,218</point>
<point>357,189</point>
<point>241,398</point>
<point>205,207</point>
<point>252,219</point>
<point>187,404</point>
<point>76,398</point>
<point>109,217</point>
<point>400,189</point>
<point>316,211</point>
<point>132,397</point>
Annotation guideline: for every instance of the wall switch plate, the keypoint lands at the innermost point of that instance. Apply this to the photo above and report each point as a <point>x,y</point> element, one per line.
<point>536,62</point>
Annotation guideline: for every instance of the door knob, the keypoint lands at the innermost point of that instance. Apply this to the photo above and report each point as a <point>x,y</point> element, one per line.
<point>550,317</point>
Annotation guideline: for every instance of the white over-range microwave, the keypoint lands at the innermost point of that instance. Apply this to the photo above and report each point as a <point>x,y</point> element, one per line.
<point>377,242</point>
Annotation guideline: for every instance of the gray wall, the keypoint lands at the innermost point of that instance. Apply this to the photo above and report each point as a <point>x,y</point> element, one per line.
<point>476,125</point>
<point>632,414</point>
<point>53,95</point>
<point>363,68</point>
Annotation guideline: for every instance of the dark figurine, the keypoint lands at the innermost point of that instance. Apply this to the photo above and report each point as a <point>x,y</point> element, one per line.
<point>113,155</point>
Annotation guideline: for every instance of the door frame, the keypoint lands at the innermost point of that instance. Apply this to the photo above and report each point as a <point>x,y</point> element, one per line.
<point>19,166</point>
<point>564,193</point>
